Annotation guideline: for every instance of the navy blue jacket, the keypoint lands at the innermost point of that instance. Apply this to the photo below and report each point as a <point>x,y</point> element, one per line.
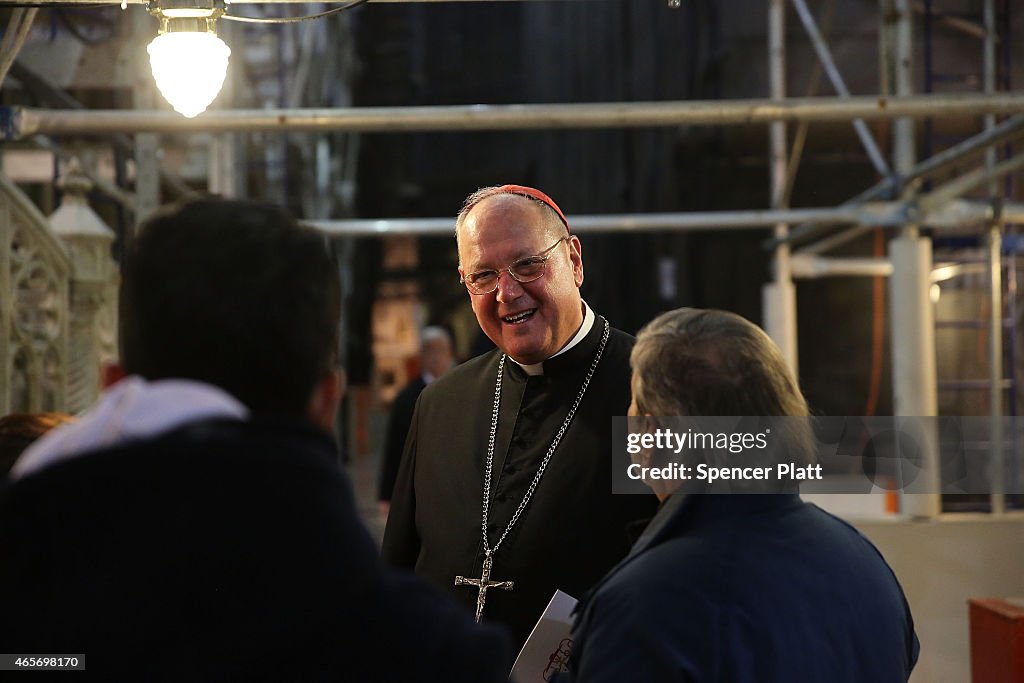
<point>746,588</point>
<point>222,550</point>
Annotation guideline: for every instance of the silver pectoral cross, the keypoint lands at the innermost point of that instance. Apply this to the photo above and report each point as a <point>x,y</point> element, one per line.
<point>482,584</point>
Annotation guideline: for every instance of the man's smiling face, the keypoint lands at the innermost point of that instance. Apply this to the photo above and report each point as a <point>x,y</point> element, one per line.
<point>529,321</point>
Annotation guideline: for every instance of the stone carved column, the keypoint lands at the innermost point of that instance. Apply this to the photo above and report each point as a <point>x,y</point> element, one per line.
<point>93,299</point>
<point>6,308</point>
<point>34,272</point>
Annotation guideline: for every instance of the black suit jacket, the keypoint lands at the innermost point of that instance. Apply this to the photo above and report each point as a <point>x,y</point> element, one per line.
<point>222,550</point>
<point>398,429</point>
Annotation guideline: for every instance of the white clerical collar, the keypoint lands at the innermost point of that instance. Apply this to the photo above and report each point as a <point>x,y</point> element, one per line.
<point>588,323</point>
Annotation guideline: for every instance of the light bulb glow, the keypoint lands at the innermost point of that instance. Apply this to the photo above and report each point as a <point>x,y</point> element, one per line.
<point>189,69</point>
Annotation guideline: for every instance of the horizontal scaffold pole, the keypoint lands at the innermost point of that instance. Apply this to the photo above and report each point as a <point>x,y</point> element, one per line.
<point>21,122</point>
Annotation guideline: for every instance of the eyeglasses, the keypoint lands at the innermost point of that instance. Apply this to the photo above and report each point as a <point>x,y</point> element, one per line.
<point>524,270</point>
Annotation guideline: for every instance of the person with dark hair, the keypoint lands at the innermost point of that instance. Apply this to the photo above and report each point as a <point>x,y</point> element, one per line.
<point>19,430</point>
<point>436,358</point>
<point>742,586</point>
<point>194,524</point>
<point>504,491</point>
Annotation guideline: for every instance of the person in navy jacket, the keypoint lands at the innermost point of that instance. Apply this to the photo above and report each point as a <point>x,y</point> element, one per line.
<point>737,587</point>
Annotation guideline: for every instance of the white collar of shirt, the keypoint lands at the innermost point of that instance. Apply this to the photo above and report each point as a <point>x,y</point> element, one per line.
<point>588,323</point>
<point>131,409</point>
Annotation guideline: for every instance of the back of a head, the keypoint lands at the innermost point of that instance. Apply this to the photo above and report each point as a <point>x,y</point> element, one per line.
<point>235,294</point>
<point>709,362</point>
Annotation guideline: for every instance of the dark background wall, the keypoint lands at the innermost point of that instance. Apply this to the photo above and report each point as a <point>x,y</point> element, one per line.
<point>630,50</point>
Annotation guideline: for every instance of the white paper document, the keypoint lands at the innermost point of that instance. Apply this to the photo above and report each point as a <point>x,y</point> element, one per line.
<point>547,649</point>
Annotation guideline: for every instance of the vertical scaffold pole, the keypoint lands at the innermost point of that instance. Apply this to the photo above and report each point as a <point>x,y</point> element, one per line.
<point>779,296</point>
<point>912,315</point>
<point>995,241</point>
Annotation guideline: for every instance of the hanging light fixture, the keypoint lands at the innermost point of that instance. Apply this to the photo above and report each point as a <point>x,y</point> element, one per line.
<point>189,61</point>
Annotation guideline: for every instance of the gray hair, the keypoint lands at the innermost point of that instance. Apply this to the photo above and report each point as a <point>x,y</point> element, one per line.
<point>434,333</point>
<point>707,362</point>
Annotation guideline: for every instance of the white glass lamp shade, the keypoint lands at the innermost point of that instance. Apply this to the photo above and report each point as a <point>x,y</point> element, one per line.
<point>189,69</point>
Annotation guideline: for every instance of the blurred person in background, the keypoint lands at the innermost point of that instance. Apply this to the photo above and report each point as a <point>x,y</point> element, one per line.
<point>436,358</point>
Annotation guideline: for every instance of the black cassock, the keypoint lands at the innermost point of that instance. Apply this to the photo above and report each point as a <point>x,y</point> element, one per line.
<point>573,530</point>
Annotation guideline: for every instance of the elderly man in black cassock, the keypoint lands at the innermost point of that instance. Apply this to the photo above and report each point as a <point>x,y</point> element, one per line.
<point>506,476</point>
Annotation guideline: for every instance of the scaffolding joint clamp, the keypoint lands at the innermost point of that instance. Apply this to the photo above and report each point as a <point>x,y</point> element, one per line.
<point>10,123</point>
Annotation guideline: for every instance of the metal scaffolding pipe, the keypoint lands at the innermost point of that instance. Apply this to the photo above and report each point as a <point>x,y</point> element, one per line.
<point>875,213</point>
<point>960,24</point>
<point>20,122</point>
<point>825,57</point>
<point>995,349</point>
<point>995,241</point>
<point>969,181</point>
<point>636,222</point>
<point>61,3</point>
<point>1007,130</point>
<point>819,266</point>
<point>18,26</point>
<point>971,213</point>
<point>989,77</point>
<point>778,297</point>
<point>1003,132</point>
<point>911,312</point>
<point>903,128</point>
